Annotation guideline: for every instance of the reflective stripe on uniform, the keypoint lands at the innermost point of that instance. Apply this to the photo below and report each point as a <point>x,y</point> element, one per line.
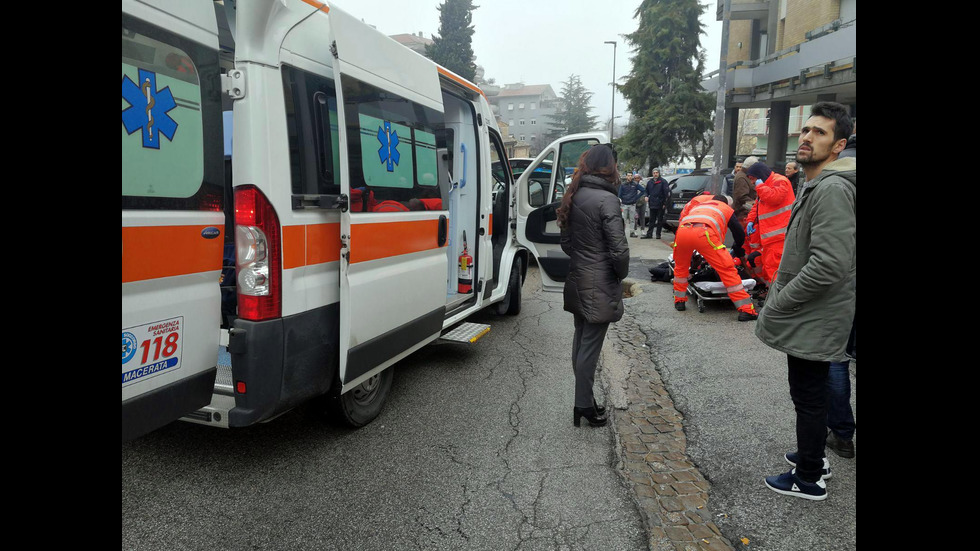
<point>743,302</point>
<point>680,279</point>
<point>680,294</point>
<point>775,212</point>
<point>692,217</point>
<point>735,288</point>
<point>780,231</point>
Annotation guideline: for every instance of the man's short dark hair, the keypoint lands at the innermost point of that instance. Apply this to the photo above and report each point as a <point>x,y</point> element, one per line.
<point>839,113</point>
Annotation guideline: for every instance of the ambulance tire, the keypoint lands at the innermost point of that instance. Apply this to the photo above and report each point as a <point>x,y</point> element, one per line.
<point>511,305</point>
<point>359,406</point>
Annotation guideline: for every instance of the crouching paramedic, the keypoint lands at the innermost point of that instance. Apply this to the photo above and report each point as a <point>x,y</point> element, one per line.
<point>702,228</point>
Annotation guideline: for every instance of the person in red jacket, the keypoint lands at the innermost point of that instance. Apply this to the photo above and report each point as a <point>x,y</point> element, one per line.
<point>769,216</point>
<point>702,227</point>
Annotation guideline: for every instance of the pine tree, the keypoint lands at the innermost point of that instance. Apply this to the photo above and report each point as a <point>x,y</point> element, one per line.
<point>572,115</point>
<point>663,90</point>
<point>453,48</point>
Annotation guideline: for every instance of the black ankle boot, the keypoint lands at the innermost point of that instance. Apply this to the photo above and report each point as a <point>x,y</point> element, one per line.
<point>590,415</point>
<point>600,410</point>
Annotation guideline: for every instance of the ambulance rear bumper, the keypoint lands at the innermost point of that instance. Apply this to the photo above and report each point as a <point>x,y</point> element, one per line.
<point>281,363</point>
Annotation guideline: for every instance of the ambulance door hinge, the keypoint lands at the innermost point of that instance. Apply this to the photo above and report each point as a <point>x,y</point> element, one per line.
<point>233,84</point>
<point>333,49</point>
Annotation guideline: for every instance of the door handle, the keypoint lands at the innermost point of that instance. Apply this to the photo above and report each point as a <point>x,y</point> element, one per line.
<point>443,230</point>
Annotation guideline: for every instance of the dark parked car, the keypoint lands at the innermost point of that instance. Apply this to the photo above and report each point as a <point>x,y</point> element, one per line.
<point>682,189</point>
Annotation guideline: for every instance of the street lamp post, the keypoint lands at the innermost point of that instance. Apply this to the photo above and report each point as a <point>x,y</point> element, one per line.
<point>612,114</point>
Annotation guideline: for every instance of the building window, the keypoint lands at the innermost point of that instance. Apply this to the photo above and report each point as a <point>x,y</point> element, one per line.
<point>522,122</point>
<point>534,121</point>
<point>511,123</point>
<point>532,105</point>
<point>521,106</point>
<point>510,106</point>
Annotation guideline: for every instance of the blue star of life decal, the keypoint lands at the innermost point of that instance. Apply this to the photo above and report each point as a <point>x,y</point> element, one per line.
<point>389,144</point>
<point>148,108</point>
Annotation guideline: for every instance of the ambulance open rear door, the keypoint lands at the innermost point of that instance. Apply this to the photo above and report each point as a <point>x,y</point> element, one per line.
<point>393,260</point>
<point>539,192</point>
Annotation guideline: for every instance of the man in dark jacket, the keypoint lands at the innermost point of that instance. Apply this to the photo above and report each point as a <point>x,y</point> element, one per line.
<point>793,175</point>
<point>658,192</point>
<point>629,193</point>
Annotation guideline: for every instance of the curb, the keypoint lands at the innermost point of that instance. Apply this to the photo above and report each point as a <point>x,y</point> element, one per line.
<point>670,492</point>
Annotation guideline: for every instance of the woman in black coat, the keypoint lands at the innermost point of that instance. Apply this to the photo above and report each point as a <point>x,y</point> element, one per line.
<point>593,235</point>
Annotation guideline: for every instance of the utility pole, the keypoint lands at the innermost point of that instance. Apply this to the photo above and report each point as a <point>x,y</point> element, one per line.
<point>716,176</point>
<point>612,114</point>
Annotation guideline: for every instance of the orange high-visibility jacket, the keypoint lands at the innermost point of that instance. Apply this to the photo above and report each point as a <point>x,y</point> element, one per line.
<point>715,214</point>
<point>771,211</point>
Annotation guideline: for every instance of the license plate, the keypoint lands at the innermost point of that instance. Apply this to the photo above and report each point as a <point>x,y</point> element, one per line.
<point>679,205</point>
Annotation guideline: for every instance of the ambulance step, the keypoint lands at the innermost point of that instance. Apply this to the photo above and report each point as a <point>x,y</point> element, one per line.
<point>466,332</point>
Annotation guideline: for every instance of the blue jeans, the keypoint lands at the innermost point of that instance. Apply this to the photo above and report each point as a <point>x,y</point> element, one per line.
<point>840,417</point>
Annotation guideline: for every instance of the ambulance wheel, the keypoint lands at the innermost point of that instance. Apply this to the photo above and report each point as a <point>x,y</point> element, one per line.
<point>360,405</point>
<point>511,305</point>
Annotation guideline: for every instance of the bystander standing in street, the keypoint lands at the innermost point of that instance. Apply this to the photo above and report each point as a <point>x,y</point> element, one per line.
<point>730,179</point>
<point>793,175</point>
<point>641,205</point>
<point>811,305</point>
<point>743,195</point>
<point>629,193</point>
<point>593,235</point>
<point>658,192</point>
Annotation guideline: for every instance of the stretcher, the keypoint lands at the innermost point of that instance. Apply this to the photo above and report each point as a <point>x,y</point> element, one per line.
<point>704,284</point>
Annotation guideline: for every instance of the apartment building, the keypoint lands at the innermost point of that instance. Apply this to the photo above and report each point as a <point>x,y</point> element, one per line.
<point>782,56</point>
<point>526,109</point>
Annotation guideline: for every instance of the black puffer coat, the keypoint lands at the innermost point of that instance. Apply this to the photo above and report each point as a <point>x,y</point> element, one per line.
<point>595,239</point>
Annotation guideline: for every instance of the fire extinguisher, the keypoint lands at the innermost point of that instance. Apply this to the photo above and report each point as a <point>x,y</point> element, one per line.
<point>465,269</point>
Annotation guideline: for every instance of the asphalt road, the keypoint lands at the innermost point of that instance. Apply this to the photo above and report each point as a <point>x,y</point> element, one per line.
<point>474,450</point>
<point>738,416</point>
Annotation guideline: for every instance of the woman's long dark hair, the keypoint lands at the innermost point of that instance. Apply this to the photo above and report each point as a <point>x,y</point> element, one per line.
<point>598,160</point>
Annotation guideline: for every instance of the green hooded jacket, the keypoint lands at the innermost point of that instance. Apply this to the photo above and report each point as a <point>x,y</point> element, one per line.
<point>810,307</point>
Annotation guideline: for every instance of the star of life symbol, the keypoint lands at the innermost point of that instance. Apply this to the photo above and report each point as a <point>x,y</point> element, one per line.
<point>148,108</point>
<point>389,144</point>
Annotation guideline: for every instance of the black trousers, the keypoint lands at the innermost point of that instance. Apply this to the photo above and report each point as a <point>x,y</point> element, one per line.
<point>586,346</point>
<point>656,220</point>
<point>808,389</point>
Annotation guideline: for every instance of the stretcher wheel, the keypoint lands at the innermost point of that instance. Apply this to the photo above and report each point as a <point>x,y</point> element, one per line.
<point>700,305</point>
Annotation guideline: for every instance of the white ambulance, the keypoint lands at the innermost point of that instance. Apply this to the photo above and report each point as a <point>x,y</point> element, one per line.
<point>304,203</point>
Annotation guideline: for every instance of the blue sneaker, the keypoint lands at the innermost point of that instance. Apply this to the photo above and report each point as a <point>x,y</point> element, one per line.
<point>792,485</point>
<point>793,458</point>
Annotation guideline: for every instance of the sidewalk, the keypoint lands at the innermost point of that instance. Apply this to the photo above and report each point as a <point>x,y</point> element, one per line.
<point>695,457</point>
<point>671,493</point>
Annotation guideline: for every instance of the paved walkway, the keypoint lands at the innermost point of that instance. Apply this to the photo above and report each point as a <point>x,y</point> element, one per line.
<point>671,493</point>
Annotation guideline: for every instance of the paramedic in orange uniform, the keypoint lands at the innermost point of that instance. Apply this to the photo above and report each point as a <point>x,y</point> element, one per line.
<point>702,228</point>
<point>769,217</point>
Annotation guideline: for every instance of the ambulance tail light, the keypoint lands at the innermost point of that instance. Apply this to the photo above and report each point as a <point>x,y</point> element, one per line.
<point>258,255</point>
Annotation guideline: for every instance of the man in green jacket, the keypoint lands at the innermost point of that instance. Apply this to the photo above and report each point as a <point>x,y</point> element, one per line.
<point>811,304</point>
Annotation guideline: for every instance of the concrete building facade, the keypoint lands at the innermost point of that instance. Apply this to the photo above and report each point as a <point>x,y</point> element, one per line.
<point>526,110</point>
<point>782,55</point>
